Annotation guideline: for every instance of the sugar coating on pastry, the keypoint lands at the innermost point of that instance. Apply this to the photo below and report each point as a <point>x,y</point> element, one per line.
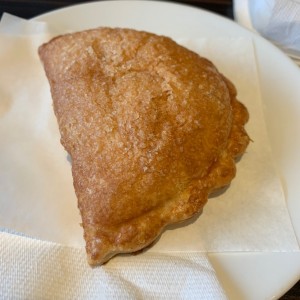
<point>152,129</point>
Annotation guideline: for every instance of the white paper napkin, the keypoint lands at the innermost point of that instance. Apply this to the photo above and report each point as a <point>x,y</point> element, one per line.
<point>14,25</point>
<point>32,269</point>
<point>35,175</point>
<point>279,22</point>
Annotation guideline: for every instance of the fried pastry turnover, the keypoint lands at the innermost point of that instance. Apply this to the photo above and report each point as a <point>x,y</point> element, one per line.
<point>152,129</point>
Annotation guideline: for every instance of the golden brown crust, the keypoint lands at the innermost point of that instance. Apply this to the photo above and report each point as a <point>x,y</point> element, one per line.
<point>152,129</point>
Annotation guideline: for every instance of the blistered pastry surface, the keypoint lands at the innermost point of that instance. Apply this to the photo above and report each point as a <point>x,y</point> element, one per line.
<point>152,129</point>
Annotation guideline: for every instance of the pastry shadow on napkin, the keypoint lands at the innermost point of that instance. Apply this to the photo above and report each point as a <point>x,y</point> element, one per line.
<point>185,223</point>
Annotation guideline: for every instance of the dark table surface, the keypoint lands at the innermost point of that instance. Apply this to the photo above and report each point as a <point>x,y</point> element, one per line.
<point>31,8</point>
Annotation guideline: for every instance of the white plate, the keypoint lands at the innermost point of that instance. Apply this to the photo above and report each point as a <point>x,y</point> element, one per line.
<point>244,275</point>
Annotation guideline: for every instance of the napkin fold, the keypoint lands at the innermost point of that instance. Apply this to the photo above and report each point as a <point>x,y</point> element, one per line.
<point>14,25</point>
<point>33,269</point>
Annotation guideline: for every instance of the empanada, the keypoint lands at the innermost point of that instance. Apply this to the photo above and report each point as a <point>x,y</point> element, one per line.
<point>152,128</point>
